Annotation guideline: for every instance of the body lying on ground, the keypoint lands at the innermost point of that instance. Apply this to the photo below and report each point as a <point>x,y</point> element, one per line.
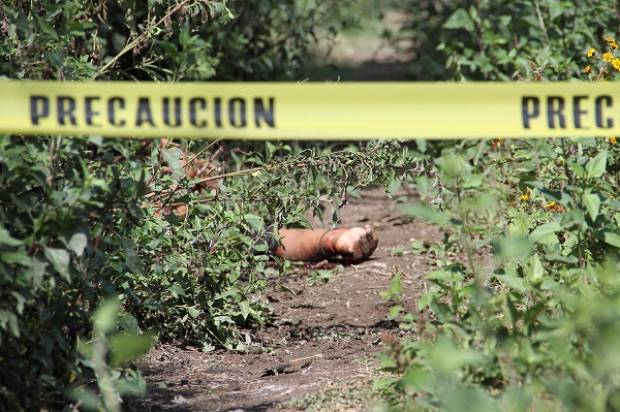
<point>349,245</point>
<point>346,245</point>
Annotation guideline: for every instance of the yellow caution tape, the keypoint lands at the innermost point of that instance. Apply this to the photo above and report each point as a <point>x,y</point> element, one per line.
<point>311,110</point>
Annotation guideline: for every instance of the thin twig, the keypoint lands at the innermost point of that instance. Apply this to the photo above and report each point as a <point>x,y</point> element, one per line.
<point>141,37</point>
<point>211,179</point>
<point>207,147</point>
<point>541,21</point>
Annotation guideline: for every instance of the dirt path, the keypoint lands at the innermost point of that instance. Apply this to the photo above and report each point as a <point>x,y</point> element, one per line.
<point>324,336</point>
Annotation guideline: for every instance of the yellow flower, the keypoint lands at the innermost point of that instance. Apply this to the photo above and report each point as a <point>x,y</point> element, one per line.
<point>616,64</point>
<point>608,56</point>
<point>554,207</point>
<point>591,52</point>
<point>525,197</point>
<point>612,139</point>
<point>587,69</point>
<point>612,42</point>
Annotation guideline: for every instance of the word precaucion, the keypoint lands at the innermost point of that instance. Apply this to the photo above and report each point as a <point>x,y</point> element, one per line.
<point>145,112</point>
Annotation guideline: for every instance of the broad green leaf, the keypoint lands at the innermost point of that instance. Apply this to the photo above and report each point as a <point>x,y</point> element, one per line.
<point>9,319</point>
<point>592,203</point>
<point>20,258</point>
<point>86,398</point>
<point>244,305</point>
<point>128,323</point>
<point>193,312</point>
<point>473,181</point>
<point>78,243</point>
<point>395,311</point>
<point>612,239</point>
<point>446,357</point>
<point>535,270</point>
<point>597,165</point>
<point>127,347</point>
<point>445,275</point>
<point>416,378</point>
<point>7,239</point>
<point>427,213</point>
<point>459,20</point>
<point>105,316</point>
<point>577,169</point>
<point>176,290</point>
<point>514,282</point>
<point>453,166</point>
<point>512,246</point>
<point>545,230</point>
<point>176,160</point>
<point>59,258</point>
<point>255,222</point>
<point>425,300</point>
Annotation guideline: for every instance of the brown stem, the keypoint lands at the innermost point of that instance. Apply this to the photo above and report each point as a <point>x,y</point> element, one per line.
<point>141,37</point>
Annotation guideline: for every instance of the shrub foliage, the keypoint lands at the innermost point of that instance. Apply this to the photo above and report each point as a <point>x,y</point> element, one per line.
<point>83,221</point>
<point>521,312</point>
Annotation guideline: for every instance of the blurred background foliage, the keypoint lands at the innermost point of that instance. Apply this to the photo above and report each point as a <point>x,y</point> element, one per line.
<point>82,224</point>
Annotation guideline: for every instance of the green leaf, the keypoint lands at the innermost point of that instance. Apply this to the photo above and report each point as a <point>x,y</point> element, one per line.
<point>7,239</point>
<point>592,203</point>
<point>132,260</point>
<point>425,300</point>
<point>612,239</point>
<point>78,243</point>
<point>473,181</point>
<point>105,316</point>
<point>176,290</point>
<point>453,166</point>
<point>59,258</point>
<point>427,213</point>
<point>444,275</point>
<point>127,347</point>
<point>544,230</point>
<point>447,358</point>
<point>459,20</point>
<point>416,378</point>
<point>395,290</point>
<point>87,399</point>
<point>512,246</point>
<point>255,222</point>
<point>20,258</point>
<point>514,282</point>
<point>536,270</point>
<point>395,311</point>
<point>245,308</point>
<point>175,159</point>
<point>9,318</point>
<point>193,312</point>
<point>597,165</point>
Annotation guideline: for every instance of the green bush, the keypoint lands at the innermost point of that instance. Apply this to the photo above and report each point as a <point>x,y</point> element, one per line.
<point>505,40</point>
<point>521,312</point>
<point>79,219</point>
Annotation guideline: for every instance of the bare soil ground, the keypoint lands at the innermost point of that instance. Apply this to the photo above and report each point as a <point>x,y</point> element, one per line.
<point>323,336</point>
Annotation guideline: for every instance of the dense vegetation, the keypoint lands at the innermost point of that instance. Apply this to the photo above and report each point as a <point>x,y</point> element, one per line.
<point>108,244</point>
<point>522,312</point>
<point>84,221</point>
